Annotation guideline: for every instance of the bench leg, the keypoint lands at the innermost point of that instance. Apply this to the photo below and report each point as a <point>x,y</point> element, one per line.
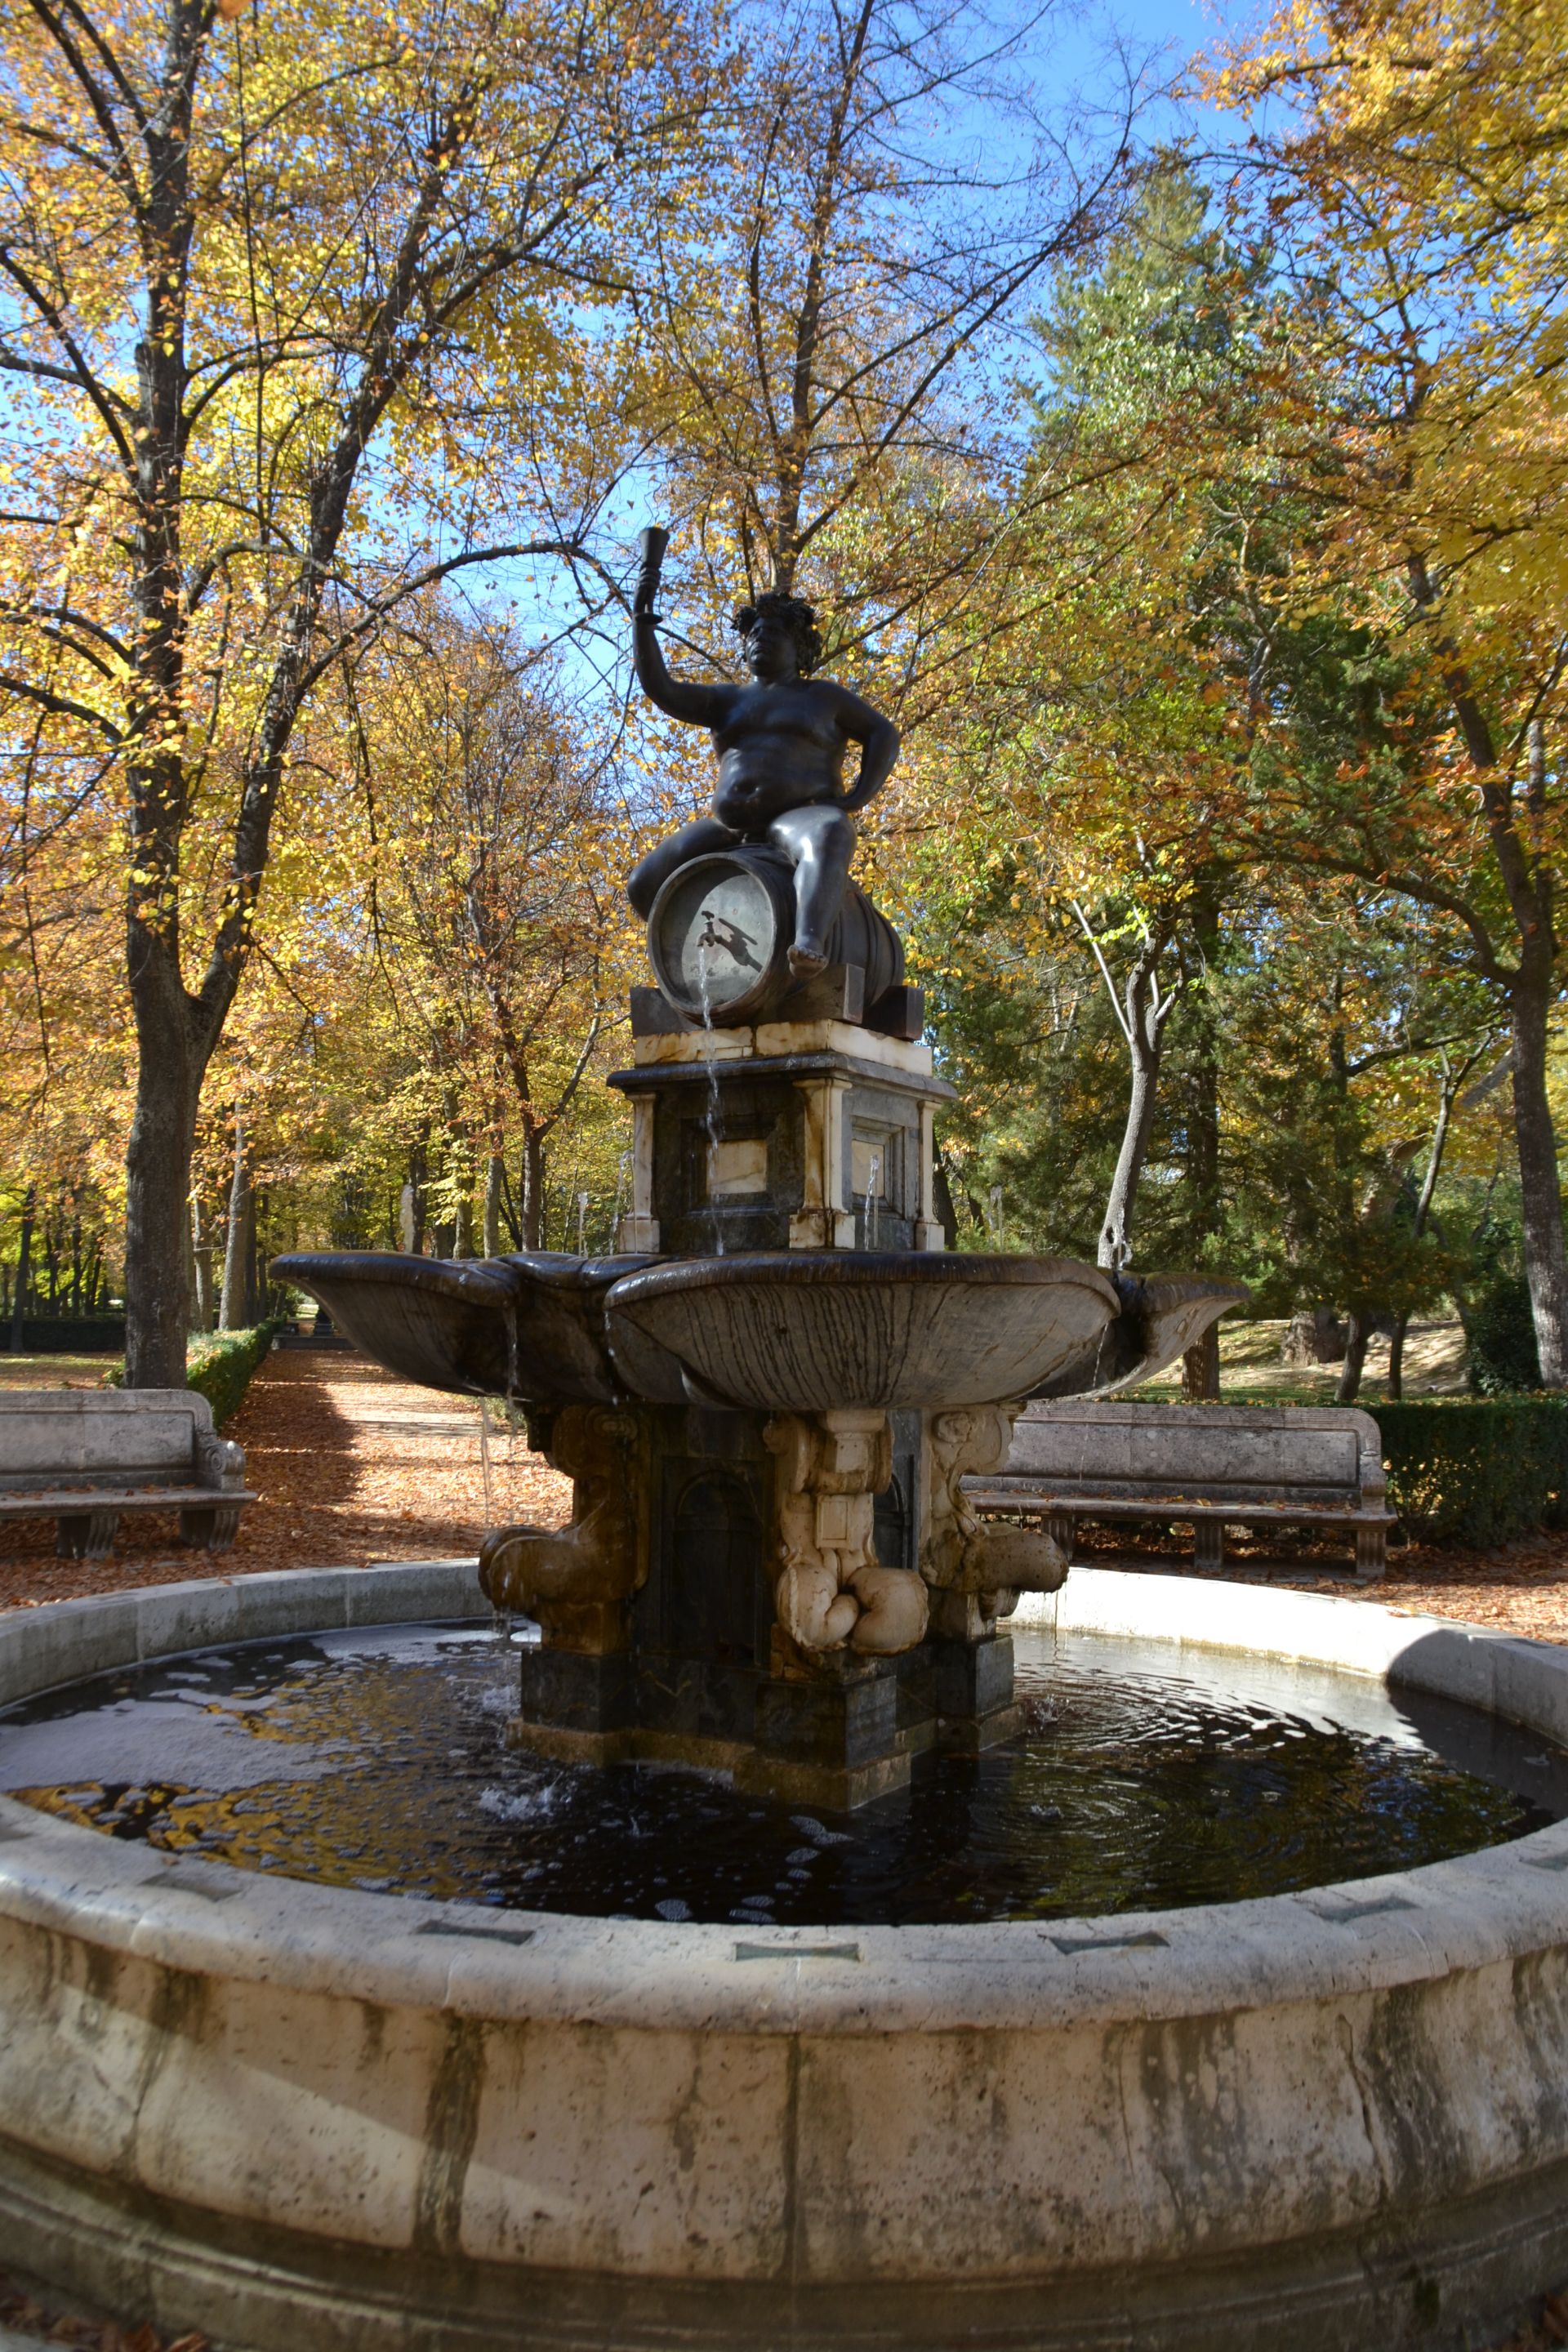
<point>1371,1554</point>
<point>1061,1528</point>
<point>1208,1544</point>
<point>86,1534</point>
<point>212,1527</point>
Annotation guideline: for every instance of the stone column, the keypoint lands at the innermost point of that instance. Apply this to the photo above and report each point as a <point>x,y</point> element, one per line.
<point>929,1235</point>
<point>640,1229</point>
<point>825,1218</point>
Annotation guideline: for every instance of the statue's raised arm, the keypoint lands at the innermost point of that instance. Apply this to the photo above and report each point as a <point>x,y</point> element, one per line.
<point>702,706</point>
<point>782,740</point>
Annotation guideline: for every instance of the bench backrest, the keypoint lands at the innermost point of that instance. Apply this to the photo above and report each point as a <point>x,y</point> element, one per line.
<point>1326,1453</point>
<point>99,1437</point>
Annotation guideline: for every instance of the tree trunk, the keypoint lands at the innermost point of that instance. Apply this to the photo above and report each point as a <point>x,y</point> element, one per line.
<point>946,1209</point>
<point>52,1262</point>
<point>158,1168</point>
<point>236,1248</point>
<point>23,1266</point>
<point>1356,1359</point>
<point>1200,1369</point>
<point>1396,1359</point>
<point>495,1186</point>
<point>1115,1242</point>
<point>201,1261</point>
<point>531,1201</point>
<point>1451,1086</point>
<point>1530,1000</point>
<point>1141,1013</point>
<point>254,1285</point>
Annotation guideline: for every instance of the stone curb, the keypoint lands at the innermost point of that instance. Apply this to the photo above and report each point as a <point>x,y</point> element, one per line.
<point>1287,2117</point>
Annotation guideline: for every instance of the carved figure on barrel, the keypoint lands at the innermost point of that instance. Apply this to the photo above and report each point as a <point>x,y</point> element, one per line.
<point>782,741</point>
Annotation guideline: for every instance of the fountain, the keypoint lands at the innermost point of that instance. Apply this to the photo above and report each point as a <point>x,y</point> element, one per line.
<point>768,1405</point>
<point>1042,2038</point>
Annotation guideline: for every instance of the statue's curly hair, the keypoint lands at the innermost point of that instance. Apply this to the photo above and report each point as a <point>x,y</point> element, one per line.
<point>796,616</point>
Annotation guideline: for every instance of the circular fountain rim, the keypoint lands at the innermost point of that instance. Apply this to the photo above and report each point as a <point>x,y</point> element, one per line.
<point>1496,1904</point>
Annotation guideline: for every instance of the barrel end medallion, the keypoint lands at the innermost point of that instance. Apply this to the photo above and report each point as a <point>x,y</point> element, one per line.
<point>751,912</point>
<point>718,938</point>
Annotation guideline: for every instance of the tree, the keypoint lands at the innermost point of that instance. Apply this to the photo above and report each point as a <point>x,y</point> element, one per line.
<point>499,923</point>
<point>1143,1004</point>
<point>1414,187</point>
<point>276,294</point>
<point>824,402</point>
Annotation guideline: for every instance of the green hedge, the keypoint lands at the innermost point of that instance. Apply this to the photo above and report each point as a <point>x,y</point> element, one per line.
<point>218,1366</point>
<point>1476,1472</point>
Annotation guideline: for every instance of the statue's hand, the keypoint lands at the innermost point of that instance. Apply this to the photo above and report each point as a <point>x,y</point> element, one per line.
<point>646,591</point>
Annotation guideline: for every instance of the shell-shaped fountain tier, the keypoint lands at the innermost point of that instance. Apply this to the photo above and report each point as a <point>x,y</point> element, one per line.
<point>1162,1314</point>
<point>529,1327</point>
<point>809,1330</point>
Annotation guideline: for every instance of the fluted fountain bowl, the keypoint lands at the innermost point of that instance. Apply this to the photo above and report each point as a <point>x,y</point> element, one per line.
<point>809,1331</point>
<point>529,1327</point>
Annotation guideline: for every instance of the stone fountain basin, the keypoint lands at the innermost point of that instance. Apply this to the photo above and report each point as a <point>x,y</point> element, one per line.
<point>531,1327</point>
<point>1162,1314</point>
<point>899,1327</point>
<point>296,2116</point>
<point>804,1332</point>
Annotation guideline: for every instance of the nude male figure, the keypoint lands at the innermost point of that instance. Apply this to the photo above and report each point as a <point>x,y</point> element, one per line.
<point>780,741</point>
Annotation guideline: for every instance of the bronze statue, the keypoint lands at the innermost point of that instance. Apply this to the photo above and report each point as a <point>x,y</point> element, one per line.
<point>781,744</point>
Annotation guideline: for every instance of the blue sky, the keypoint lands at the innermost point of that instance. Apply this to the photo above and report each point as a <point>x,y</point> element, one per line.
<point>1072,73</point>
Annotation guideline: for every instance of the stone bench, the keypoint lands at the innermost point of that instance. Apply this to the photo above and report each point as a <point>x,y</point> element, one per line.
<point>83,1456</point>
<point>1305,1465</point>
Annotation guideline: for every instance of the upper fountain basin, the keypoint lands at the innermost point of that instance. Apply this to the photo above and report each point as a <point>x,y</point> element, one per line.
<point>531,1327</point>
<point>807,1332</point>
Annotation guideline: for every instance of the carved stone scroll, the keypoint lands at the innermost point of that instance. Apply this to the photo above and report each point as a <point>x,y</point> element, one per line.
<point>830,1590</point>
<point>577,1579</point>
<point>976,1570</point>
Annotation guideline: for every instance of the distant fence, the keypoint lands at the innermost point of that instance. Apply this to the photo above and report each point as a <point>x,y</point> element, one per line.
<point>66,1335</point>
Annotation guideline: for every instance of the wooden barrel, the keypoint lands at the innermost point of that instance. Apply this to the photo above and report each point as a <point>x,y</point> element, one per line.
<point>720,931</point>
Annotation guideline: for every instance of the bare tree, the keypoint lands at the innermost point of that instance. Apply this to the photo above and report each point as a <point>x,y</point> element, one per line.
<point>826,405</point>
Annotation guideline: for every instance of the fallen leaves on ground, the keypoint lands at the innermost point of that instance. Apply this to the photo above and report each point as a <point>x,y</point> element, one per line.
<point>350,1464</point>
<point>21,2311</point>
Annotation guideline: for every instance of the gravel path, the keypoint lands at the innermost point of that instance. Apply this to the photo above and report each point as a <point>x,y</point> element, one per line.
<point>351,1467</point>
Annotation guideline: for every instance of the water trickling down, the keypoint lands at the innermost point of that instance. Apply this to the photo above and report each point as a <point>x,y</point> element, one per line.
<point>487,1471</point>
<point>713,1123</point>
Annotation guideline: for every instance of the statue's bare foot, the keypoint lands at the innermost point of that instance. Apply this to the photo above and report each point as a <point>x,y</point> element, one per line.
<point>804,963</point>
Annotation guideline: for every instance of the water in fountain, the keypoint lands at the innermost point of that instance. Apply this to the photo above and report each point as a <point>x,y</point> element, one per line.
<point>1146,1777</point>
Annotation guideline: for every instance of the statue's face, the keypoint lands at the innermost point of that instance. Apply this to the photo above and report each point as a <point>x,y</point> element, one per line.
<point>770,649</point>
